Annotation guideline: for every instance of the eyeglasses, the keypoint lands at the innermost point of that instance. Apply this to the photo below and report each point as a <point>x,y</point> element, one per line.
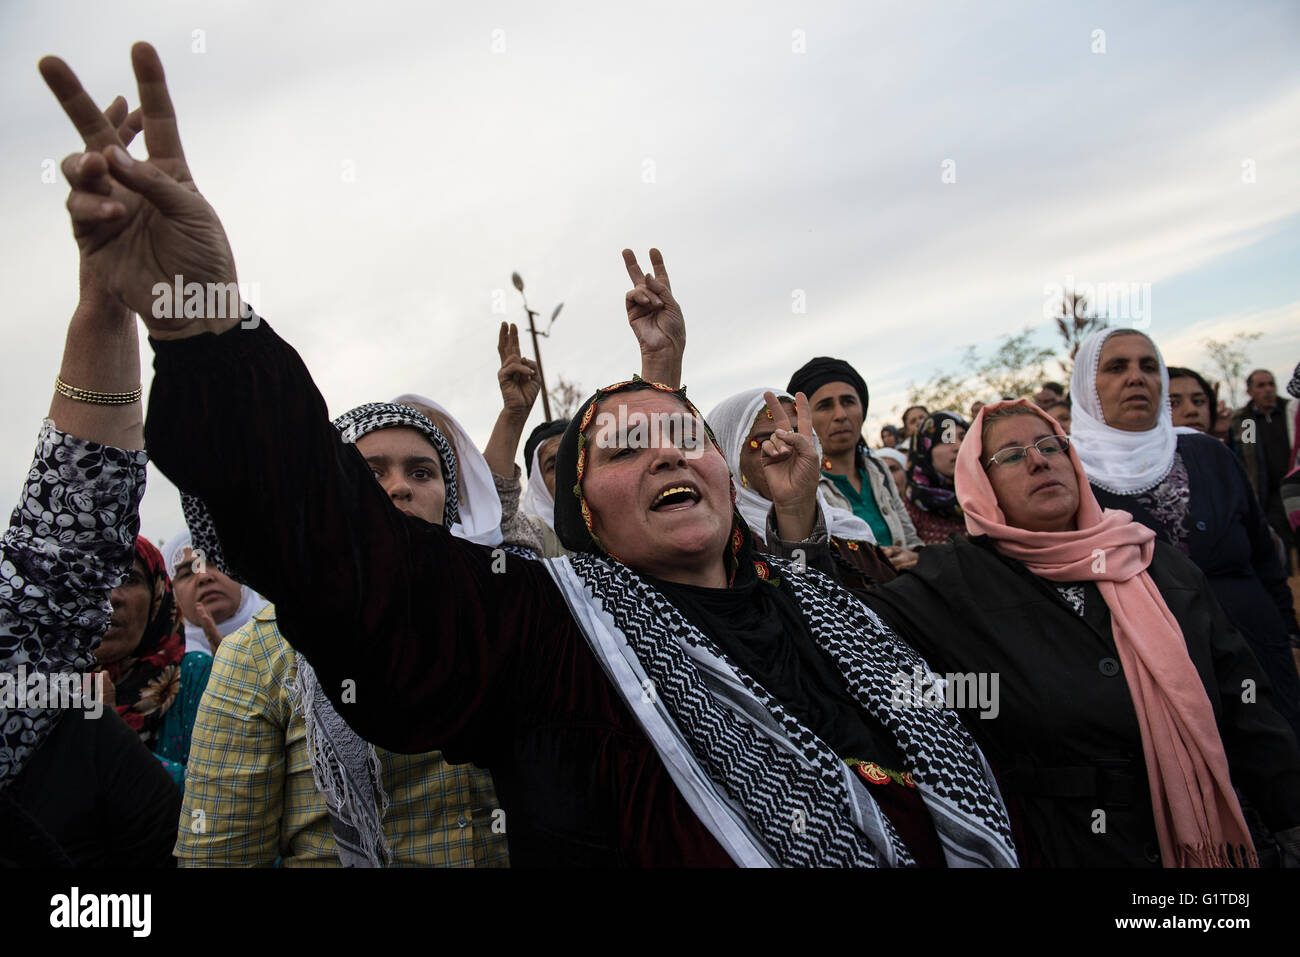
<point>1048,445</point>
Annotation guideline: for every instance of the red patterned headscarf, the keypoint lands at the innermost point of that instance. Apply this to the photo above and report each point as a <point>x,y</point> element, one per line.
<point>148,679</point>
<point>573,519</point>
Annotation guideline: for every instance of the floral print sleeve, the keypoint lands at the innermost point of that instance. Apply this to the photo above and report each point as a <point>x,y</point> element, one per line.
<point>70,541</point>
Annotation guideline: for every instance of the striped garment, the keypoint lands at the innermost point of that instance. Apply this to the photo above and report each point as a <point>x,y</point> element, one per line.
<point>249,795</point>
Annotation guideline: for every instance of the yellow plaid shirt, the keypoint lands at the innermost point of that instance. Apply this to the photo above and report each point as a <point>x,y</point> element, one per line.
<point>249,795</point>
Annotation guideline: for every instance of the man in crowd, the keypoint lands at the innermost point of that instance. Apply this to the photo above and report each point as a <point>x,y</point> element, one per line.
<point>1265,430</point>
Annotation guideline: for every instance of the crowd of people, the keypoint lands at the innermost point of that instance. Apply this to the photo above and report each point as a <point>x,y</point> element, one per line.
<point>1054,632</point>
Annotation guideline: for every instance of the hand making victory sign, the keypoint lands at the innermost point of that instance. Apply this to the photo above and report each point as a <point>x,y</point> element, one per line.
<point>517,376</point>
<point>656,319</point>
<point>792,469</point>
<point>139,223</point>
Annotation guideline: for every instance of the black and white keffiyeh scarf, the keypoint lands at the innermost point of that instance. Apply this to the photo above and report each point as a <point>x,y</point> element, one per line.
<point>345,767</point>
<point>767,788</point>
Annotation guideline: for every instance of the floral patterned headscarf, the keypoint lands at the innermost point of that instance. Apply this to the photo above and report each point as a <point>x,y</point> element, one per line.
<point>148,679</point>
<point>926,488</point>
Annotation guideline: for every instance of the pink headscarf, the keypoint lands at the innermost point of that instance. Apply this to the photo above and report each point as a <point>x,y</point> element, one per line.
<point>1198,819</point>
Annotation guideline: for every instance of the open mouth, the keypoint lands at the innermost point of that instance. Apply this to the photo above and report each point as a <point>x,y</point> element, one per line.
<point>674,498</point>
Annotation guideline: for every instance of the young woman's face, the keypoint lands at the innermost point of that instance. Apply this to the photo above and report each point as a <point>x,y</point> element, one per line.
<point>130,602</point>
<point>1039,493</point>
<point>751,454</point>
<point>405,463</point>
<point>837,416</point>
<point>912,420</point>
<point>1128,383</point>
<point>210,588</point>
<point>944,454</point>
<point>661,503</point>
<point>1189,404</point>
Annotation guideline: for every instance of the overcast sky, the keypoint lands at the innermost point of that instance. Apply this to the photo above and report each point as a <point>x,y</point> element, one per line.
<point>382,168</point>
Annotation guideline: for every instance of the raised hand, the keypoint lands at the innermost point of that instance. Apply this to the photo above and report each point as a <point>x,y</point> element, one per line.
<point>517,376</point>
<point>141,223</point>
<point>656,319</point>
<point>791,468</point>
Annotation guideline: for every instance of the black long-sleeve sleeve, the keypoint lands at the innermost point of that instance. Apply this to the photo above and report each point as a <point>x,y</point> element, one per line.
<point>418,638</point>
<point>1263,552</point>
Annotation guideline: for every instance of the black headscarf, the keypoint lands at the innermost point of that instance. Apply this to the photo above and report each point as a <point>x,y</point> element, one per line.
<point>573,521</point>
<point>815,373</point>
<point>1178,372</point>
<point>539,435</point>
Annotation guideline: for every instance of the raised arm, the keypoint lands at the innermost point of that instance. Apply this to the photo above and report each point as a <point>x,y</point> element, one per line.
<point>417,637</point>
<point>71,537</point>
<point>520,386</point>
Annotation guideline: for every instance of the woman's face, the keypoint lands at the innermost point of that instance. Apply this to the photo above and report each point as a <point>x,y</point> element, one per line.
<point>944,454</point>
<point>751,453</point>
<point>219,595</point>
<point>546,453</point>
<point>1061,413</point>
<point>1128,383</point>
<point>837,416</point>
<point>406,465</point>
<point>658,490</point>
<point>912,420</point>
<point>1189,404</point>
<point>130,602</point>
<point>1041,492</point>
<point>899,474</point>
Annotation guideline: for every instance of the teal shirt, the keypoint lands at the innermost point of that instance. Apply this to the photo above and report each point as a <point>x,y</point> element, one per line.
<point>173,744</point>
<point>864,504</point>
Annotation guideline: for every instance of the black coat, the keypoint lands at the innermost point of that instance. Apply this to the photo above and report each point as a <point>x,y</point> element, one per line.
<point>96,791</point>
<point>1065,741</point>
<point>1227,536</point>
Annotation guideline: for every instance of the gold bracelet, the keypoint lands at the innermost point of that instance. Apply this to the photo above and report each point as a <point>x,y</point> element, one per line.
<point>93,397</point>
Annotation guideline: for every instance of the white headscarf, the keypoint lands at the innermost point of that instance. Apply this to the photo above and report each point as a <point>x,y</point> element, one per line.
<point>731,421</point>
<point>538,500</point>
<point>894,455</point>
<point>250,602</point>
<point>1118,461</point>
<point>480,508</point>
